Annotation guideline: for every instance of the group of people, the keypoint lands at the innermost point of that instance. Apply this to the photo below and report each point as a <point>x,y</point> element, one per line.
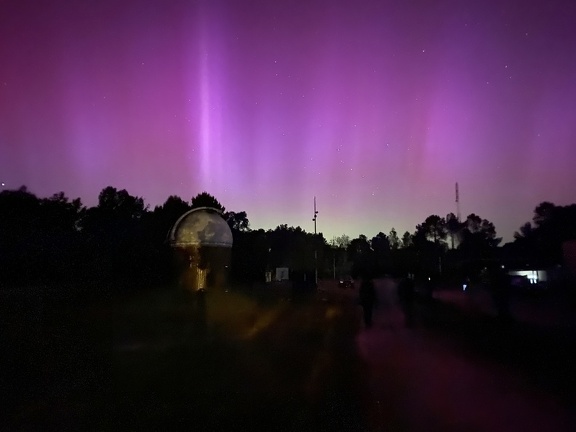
<point>498,283</point>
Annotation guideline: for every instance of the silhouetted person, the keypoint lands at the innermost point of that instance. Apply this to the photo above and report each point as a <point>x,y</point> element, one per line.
<point>199,311</point>
<point>429,285</point>
<point>367,294</point>
<point>406,297</point>
<point>500,286</point>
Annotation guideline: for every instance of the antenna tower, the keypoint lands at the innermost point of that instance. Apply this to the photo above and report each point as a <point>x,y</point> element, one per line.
<point>315,215</point>
<point>457,203</point>
<point>315,251</point>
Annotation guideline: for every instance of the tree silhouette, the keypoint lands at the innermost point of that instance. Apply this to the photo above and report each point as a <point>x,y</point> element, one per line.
<point>39,238</point>
<point>544,213</point>
<point>250,256</point>
<point>453,228</point>
<point>292,247</point>
<point>526,231</point>
<point>478,239</point>
<point>204,199</point>
<point>432,229</point>
<point>120,203</point>
<point>237,220</point>
<point>116,241</point>
<point>380,245</point>
<point>59,223</point>
<point>19,248</point>
<point>407,240</point>
<point>541,242</point>
<point>340,241</point>
<point>393,239</point>
<point>166,215</point>
<point>429,243</point>
<point>361,255</point>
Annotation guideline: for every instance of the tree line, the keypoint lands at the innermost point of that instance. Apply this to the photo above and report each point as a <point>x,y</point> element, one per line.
<point>122,242</point>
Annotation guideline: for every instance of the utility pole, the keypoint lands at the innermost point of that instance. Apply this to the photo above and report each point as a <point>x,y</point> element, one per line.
<point>315,249</point>
<point>334,265</point>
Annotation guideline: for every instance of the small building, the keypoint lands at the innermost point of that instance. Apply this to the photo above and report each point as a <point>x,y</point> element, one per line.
<point>203,242</point>
<point>282,273</point>
<point>530,276</point>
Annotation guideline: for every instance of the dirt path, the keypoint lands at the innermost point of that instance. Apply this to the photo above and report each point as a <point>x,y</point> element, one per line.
<point>421,381</point>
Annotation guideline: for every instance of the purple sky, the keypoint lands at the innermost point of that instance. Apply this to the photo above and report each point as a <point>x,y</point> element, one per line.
<point>375,107</point>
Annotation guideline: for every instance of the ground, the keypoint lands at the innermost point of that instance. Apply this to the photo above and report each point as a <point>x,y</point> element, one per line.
<point>266,358</point>
<point>460,369</point>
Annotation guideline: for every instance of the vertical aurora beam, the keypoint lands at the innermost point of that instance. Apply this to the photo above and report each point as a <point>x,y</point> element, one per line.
<point>204,136</point>
<point>205,132</point>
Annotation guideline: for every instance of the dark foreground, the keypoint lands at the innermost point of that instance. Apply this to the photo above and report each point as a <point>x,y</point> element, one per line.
<point>256,359</point>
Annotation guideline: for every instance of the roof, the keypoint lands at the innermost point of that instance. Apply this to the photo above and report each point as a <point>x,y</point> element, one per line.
<point>202,226</point>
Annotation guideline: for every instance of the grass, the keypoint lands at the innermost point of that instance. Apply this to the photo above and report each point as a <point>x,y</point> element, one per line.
<point>153,361</point>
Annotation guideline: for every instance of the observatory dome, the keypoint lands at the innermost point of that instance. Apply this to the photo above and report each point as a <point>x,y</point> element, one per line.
<point>203,226</point>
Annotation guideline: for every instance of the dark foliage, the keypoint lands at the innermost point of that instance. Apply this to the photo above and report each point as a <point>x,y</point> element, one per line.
<point>204,199</point>
<point>540,242</point>
<point>58,242</point>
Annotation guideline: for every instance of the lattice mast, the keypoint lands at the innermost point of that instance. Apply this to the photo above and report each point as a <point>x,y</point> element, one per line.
<point>457,203</point>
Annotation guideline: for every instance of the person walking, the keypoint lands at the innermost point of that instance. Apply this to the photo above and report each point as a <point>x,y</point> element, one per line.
<point>500,286</point>
<point>406,295</point>
<point>367,294</point>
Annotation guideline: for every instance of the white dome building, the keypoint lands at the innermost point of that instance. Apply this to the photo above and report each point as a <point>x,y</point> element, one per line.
<point>203,241</point>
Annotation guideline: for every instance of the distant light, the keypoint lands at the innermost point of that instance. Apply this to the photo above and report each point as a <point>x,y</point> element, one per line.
<point>464,286</point>
<point>3,184</point>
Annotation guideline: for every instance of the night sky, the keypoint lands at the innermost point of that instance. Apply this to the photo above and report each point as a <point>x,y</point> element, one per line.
<point>377,108</point>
